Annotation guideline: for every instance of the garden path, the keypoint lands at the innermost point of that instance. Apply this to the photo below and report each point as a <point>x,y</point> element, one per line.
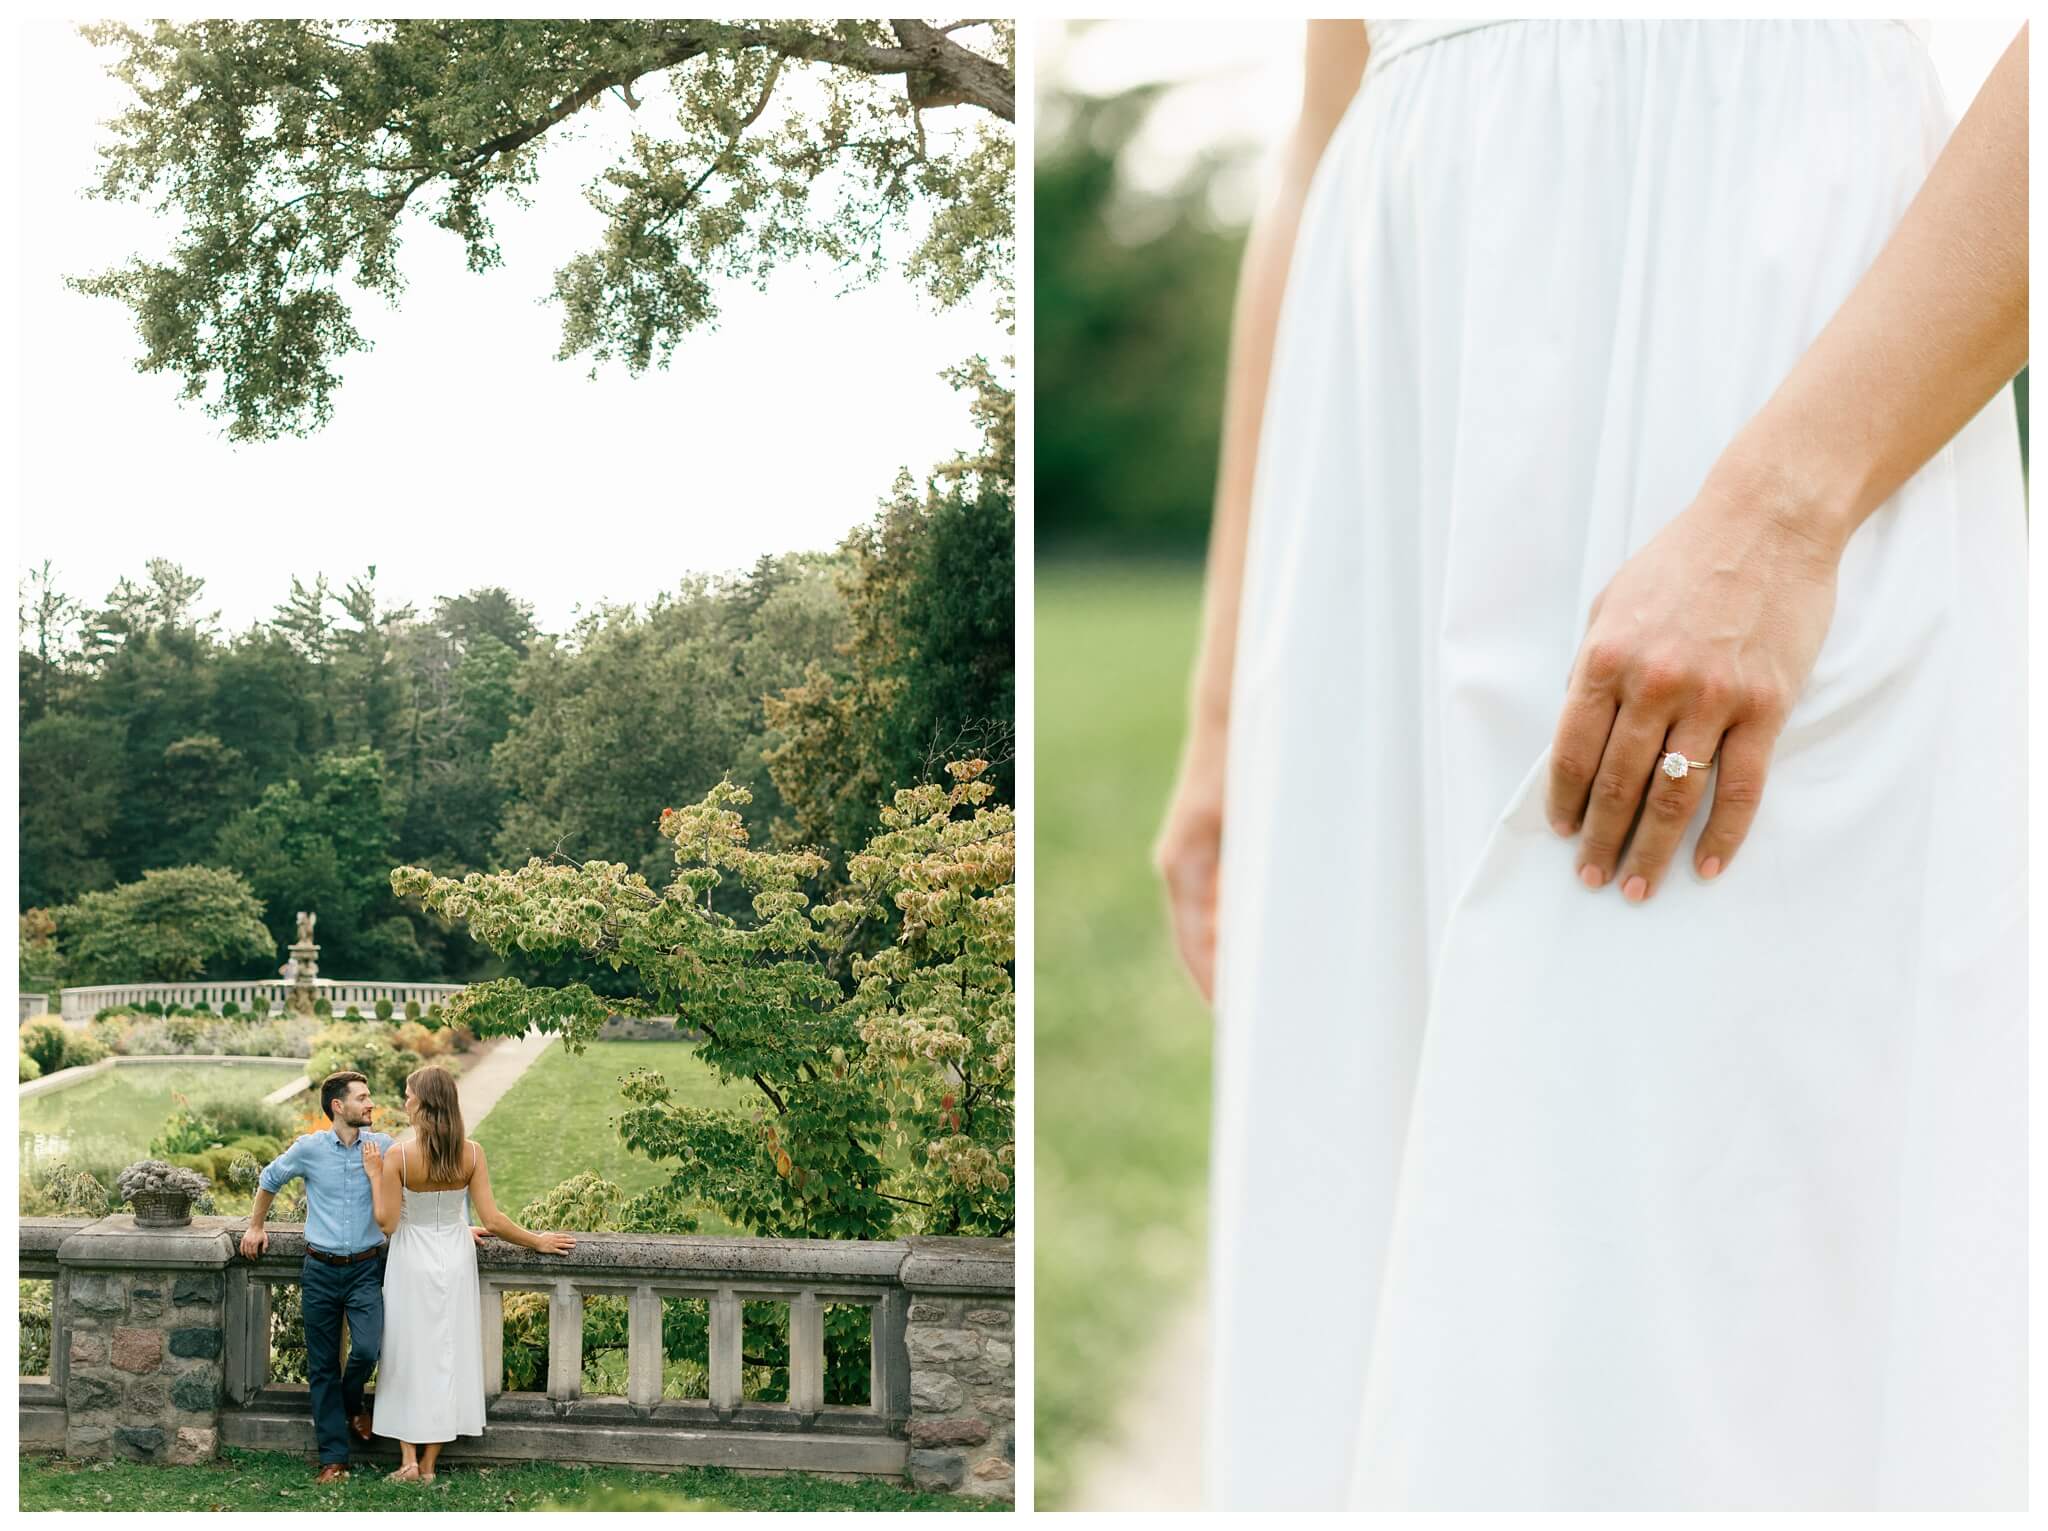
<point>1153,1457</point>
<point>484,1083</point>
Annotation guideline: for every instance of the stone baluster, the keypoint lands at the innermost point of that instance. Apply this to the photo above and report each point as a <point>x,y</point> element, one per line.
<point>493,1303</point>
<point>725,1350</point>
<point>806,1354</point>
<point>565,1341</point>
<point>644,1354</point>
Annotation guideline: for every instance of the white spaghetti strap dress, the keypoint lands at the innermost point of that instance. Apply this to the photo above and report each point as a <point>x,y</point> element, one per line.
<point>430,1377</point>
<point>1524,1196</point>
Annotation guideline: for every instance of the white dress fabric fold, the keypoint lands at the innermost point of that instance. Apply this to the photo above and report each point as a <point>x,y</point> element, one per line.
<point>1522,1196</point>
<point>430,1376</point>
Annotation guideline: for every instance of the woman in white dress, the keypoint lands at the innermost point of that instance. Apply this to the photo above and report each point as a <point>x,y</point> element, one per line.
<point>1631,439</point>
<point>430,1381</point>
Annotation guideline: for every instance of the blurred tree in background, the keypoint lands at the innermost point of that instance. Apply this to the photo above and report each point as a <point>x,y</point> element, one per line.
<point>1133,317</point>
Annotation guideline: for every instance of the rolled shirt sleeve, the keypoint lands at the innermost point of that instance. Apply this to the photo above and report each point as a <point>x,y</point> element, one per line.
<point>284,1169</point>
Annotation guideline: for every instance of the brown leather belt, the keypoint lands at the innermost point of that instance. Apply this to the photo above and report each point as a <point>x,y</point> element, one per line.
<point>354,1259</point>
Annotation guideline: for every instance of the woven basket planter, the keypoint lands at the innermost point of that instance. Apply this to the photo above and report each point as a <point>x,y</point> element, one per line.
<point>161,1209</point>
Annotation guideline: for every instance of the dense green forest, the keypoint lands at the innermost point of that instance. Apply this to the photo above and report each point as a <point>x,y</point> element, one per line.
<point>342,736</point>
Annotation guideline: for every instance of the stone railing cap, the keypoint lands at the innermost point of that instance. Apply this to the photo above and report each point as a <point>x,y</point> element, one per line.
<point>927,1264</point>
<point>961,1265</point>
<point>657,1255</point>
<point>116,1241</point>
<point>42,1235</point>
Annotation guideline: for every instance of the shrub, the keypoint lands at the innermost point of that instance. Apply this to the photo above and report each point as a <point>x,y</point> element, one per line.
<point>245,1118</point>
<point>352,1013</point>
<point>369,1052</point>
<point>404,1062</point>
<point>112,1012</point>
<point>30,1069</point>
<point>417,1038</point>
<point>34,1315</point>
<point>383,1009</point>
<point>260,1148</point>
<point>45,1041</point>
<point>63,1190</point>
<point>145,1037</point>
<point>412,1010</point>
<point>185,1131</point>
<point>151,1007</point>
<point>201,1127</point>
<point>82,1048</point>
<point>323,1008</point>
<point>108,1034</point>
<point>232,1168</point>
<point>229,1009</point>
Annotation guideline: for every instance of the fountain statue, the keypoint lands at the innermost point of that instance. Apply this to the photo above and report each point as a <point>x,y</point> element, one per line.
<point>302,968</point>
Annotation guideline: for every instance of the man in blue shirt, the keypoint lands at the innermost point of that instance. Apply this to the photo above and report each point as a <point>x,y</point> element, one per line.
<point>343,1272</point>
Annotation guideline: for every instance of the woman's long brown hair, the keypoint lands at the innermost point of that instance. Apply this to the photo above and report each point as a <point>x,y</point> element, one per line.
<point>438,1123</point>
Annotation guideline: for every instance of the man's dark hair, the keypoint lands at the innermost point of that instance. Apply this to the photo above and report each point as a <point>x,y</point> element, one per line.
<point>333,1087</point>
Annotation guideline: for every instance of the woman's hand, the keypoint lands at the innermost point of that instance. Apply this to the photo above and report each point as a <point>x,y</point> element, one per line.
<point>373,1160</point>
<point>1187,856</point>
<point>554,1243</point>
<point>1701,642</point>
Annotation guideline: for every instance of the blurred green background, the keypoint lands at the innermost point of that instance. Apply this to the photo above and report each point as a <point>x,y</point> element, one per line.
<point>1133,301</point>
<point>1146,164</point>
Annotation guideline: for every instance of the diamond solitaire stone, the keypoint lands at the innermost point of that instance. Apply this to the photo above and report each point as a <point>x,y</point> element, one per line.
<point>1676,765</point>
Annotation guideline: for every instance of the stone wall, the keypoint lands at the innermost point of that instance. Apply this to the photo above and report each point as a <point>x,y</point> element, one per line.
<point>963,1369</point>
<point>160,1342</point>
<point>143,1359</point>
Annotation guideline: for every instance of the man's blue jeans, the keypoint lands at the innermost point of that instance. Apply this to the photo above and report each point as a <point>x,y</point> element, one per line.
<point>327,1293</point>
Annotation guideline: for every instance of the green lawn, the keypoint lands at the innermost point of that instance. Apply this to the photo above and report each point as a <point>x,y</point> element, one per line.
<point>250,1480</point>
<point>1122,1048</point>
<point>556,1121</point>
<point>109,1120</point>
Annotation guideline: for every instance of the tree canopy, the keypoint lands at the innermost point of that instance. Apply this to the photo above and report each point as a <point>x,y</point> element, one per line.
<point>168,926</point>
<point>881,1095</point>
<point>293,155</point>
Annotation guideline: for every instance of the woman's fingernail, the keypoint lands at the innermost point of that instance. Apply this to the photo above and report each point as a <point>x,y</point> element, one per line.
<point>1635,890</point>
<point>1590,875</point>
<point>1711,867</point>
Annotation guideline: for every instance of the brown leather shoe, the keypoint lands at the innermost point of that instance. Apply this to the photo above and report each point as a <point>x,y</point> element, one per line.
<point>331,1472</point>
<point>360,1423</point>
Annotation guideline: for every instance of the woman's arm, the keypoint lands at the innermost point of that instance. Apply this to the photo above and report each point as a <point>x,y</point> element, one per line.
<point>1937,325</point>
<point>1709,633</point>
<point>1190,841</point>
<point>497,1222</point>
<point>387,1197</point>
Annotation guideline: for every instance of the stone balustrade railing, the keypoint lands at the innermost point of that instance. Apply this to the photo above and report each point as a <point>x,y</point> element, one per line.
<point>262,996</point>
<point>34,1004</point>
<point>160,1351</point>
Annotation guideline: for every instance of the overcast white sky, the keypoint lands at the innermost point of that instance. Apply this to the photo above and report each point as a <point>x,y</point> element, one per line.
<point>461,453</point>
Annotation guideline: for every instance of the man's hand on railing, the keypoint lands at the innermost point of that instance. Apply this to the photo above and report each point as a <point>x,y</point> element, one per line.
<point>254,1242</point>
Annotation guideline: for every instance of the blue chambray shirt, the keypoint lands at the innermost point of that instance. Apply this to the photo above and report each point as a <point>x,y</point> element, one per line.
<point>339,1217</point>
